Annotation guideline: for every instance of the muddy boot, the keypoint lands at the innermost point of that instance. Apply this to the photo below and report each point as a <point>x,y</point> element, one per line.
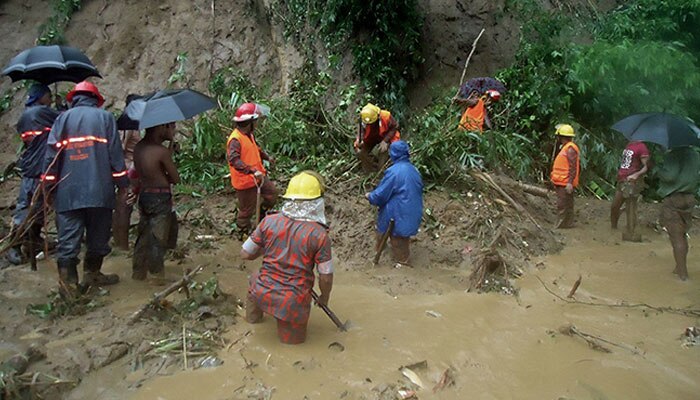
<point>68,276</point>
<point>93,276</point>
<point>14,255</point>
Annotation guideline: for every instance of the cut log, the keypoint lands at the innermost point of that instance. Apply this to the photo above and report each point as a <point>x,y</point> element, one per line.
<point>534,190</point>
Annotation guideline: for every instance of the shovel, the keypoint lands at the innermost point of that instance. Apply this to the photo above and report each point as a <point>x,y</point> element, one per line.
<point>330,313</point>
<point>382,243</point>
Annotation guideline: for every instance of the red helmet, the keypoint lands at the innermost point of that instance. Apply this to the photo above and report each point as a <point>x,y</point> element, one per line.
<point>495,95</point>
<point>246,112</point>
<point>88,87</point>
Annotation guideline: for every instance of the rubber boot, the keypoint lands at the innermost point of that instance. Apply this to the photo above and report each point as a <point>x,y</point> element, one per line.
<point>68,276</point>
<point>14,255</point>
<point>93,276</point>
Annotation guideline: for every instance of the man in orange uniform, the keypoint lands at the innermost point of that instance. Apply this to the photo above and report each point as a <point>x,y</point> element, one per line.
<point>248,175</point>
<point>565,174</point>
<point>476,115</point>
<point>377,127</point>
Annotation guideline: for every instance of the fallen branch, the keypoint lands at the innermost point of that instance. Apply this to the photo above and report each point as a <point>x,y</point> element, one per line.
<point>594,341</point>
<point>483,176</point>
<point>466,63</point>
<point>158,297</point>
<point>574,288</point>
<point>688,312</point>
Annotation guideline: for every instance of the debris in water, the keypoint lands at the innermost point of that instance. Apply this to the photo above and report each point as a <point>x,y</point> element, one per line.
<point>209,362</point>
<point>433,314</point>
<point>412,376</point>
<point>337,347</point>
<point>407,394</point>
<point>691,337</point>
<point>417,365</point>
<point>201,238</point>
<point>446,379</point>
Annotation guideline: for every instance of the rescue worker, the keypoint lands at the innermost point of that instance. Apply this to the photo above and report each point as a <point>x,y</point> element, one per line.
<point>33,127</point>
<point>679,177</point>
<point>377,127</point>
<point>84,161</point>
<point>476,113</point>
<point>630,183</point>
<point>291,243</point>
<point>399,197</point>
<point>565,174</point>
<point>121,219</point>
<point>248,175</point>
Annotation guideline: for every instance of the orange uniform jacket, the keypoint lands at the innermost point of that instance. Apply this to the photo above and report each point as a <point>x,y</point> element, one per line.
<point>250,154</point>
<point>473,118</point>
<point>560,175</point>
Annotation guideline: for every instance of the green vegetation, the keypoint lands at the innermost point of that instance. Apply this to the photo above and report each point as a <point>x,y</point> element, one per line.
<point>580,66</point>
<point>382,35</point>
<point>51,32</point>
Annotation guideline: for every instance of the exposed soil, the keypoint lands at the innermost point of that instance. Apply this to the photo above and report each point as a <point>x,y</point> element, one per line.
<point>110,357</point>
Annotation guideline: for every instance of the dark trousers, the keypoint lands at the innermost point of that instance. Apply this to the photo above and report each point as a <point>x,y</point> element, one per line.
<point>27,188</point>
<point>156,233</point>
<point>364,154</point>
<point>565,207</point>
<point>247,200</point>
<point>95,222</point>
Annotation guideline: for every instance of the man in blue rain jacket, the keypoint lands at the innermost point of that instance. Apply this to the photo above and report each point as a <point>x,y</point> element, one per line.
<point>85,161</point>
<point>399,197</point>
<point>33,128</point>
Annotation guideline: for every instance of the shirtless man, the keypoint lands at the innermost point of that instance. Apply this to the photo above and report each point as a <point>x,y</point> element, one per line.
<point>157,228</point>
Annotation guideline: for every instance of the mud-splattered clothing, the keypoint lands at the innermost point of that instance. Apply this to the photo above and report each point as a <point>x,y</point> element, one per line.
<point>156,230</point>
<point>291,249</point>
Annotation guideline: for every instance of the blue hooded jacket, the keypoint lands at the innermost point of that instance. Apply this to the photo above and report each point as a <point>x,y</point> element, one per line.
<point>399,195</point>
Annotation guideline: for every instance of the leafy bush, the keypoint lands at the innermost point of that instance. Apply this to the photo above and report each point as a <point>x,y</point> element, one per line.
<point>51,32</point>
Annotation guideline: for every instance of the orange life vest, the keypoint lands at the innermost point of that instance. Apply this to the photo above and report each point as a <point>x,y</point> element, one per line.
<point>473,118</point>
<point>384,118</point>
<point>250,154</point>
<point>560,170</point>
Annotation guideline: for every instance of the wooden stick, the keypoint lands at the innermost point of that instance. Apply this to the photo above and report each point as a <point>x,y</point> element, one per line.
<point>184,345</point>
<point>689,312</point>
<point>466,63</point>
<point>163,294</point>
<point>573,288</point>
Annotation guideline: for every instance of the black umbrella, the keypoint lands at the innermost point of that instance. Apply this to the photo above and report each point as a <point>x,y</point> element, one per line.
<point>168,105</point>
<point>49,64</point>
<point>481,85</point>
<point>665,129</point>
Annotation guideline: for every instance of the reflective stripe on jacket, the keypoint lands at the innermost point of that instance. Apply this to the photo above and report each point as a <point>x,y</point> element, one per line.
<point>250,154</point>
<point>560,170</point>
<point>473,118</point>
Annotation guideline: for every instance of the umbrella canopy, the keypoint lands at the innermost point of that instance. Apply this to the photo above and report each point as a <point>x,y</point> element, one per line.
<point>481,85</point>
<point>665,129</point>
<point>49,64</point>
<point>167,106</point>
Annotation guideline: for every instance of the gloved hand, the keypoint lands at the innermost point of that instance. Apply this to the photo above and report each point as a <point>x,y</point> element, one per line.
<point>383,146</point>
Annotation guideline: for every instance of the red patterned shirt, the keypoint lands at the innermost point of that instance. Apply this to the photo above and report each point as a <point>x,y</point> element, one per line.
<point>291,248</point>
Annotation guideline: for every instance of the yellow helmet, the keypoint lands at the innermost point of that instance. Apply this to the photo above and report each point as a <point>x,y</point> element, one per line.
<point>306,185</point>
<point>369,113</point>
<point>565,130</point>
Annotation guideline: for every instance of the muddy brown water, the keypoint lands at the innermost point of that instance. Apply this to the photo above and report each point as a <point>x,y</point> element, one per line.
<point>499,347</point>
